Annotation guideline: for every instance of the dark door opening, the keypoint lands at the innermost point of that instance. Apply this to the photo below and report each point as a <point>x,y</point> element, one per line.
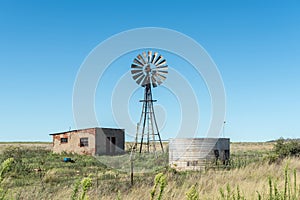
<point>113,145</point>
<point>110,145</point>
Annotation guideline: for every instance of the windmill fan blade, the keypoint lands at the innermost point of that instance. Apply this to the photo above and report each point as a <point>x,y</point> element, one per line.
<point>157,79</point>
<point>146,81</point>
<point>137,62</point>
<point>163,62</point>
<point>149,56</point>
<point>154,57</point>
<point>140,79</point>
<point>136,66</point>
<point>137,76</point>
<point>136,71</point>
<point>164,67</point>
<point>162,77</point>
<point>153,81</point>
<point>160,71</point>
<point>141,59</point>
<point>158,60</point>
<point>145,57</point>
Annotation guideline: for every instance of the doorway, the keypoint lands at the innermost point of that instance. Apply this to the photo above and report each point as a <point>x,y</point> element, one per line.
<point>110,145</point>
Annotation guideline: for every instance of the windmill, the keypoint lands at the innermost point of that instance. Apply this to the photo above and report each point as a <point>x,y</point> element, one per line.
<point>148,70</point>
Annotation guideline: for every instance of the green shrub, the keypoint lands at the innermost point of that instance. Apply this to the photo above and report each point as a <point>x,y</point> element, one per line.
<point>75,190</point>
<point>85,184</point>
<point>192,193</point>
<point>4,168</point>
<point>52,176</point>
<point>284,148</point>
<point>160,179</point>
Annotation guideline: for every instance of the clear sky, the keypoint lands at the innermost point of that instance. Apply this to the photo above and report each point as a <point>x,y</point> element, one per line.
<point>255,45</point>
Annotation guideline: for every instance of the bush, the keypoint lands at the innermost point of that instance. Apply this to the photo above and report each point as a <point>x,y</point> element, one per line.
<point>4,168</point>
<point>85,184</point>
<point>160,179</point>
<point>192,193</point>
<point>284,148</point>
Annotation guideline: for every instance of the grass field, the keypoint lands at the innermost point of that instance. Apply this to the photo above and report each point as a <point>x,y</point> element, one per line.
<point>46,145</point>
<point>37,173</point>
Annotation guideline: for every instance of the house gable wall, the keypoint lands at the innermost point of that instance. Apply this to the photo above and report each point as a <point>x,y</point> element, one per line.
<point>98,144</point>
<point>73,144</point>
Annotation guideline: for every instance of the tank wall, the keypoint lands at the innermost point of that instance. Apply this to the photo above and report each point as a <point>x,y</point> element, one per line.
<point>195,153</point>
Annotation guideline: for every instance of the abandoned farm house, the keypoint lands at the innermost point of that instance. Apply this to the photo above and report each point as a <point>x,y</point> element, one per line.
<point>91,141</point>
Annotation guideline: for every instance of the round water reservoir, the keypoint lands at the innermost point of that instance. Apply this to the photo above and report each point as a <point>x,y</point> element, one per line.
<point>194,153</point>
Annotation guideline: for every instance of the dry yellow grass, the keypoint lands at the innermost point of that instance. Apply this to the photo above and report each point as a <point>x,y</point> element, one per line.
<point>4,145</point>
<point>250,180</point>
<point>237,147</point>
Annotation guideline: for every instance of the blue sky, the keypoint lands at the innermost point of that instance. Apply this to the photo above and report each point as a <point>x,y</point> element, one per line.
<point>255,44</point>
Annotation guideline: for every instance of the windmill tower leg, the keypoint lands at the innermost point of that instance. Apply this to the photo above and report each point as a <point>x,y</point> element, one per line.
<point>144,117</point>
<point>149,125</point>
<point>161,145</point>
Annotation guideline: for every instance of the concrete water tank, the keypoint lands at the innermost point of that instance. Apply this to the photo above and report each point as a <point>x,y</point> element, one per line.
<point>196,153</point>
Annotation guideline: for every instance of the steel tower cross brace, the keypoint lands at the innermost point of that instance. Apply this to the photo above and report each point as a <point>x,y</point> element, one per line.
<point>149,125</point>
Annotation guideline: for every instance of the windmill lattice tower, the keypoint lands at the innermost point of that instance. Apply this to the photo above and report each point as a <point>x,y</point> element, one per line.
<point>148,70</point>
